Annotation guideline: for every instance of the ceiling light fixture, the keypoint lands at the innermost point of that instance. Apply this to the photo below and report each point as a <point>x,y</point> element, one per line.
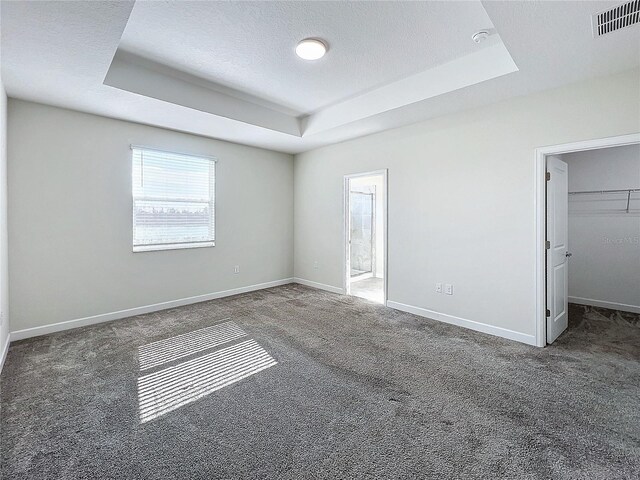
<point>311,49</point>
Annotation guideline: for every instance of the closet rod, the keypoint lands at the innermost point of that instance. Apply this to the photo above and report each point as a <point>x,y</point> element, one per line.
<point>628,191</point>
<point>623,190</point>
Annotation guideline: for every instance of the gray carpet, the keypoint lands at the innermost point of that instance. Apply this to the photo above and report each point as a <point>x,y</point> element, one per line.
<point>358,391</point>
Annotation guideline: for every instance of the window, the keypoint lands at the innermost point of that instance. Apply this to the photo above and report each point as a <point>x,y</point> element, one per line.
<point>173,200</point>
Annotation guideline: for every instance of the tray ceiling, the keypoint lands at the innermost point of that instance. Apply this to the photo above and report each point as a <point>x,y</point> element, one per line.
<point>228,69</point>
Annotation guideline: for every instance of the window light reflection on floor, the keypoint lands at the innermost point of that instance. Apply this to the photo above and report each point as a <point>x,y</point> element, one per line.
<point>164,351</point>
<point>172,387</point>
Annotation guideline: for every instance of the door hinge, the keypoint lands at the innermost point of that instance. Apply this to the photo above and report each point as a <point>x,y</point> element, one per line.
<point>548,176</point>
<point>547,244</point>
<point>548,312</point>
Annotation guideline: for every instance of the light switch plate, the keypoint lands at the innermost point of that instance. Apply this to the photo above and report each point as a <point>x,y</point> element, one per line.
<point>438,288</point>
<point>448,289</point>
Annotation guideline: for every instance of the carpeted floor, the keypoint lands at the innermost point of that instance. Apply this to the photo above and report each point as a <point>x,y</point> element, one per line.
<point>358,391</point>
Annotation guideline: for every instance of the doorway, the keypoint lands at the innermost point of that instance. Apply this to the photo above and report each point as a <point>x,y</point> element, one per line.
<point>556,197</point>
<point>365,226</point>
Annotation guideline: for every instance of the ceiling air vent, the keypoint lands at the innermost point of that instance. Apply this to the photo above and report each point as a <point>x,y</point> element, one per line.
<point>616,18</point>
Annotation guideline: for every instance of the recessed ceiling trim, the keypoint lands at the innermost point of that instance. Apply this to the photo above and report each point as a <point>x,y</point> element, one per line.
<point>487,63</point>
<point>141,76</point>
<point>126,73</point>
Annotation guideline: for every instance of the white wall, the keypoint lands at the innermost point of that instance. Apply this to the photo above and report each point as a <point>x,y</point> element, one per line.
<point>461,200</point>
<point>70,232</point>
<point>4,272</point>
<point>604,240</point>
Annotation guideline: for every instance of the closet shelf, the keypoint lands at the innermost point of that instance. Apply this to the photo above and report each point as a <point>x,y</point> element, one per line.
<point>627,191</point>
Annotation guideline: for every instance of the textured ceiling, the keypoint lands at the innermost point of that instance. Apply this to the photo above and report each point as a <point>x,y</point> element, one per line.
<point>237,59</point>
<point>59,53</point>
<point>249,46</point>
<point>55,51</point>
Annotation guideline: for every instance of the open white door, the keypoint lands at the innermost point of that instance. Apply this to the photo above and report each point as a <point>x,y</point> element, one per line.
<point>557,248</point>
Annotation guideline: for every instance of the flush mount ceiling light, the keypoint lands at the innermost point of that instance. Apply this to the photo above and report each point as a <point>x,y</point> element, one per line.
<point>311,49</point>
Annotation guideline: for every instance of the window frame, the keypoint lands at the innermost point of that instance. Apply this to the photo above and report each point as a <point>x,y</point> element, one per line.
<point>212,202</point>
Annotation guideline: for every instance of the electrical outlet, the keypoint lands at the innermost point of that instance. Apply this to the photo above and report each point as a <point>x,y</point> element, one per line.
<point>438,288</point>
<point>448,289</point>
<point>236,269</point>
<point>315,265</point>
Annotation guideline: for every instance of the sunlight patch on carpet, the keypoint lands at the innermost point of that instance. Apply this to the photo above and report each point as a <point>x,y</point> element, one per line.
<point>170,388</point>
<point>170,349</point>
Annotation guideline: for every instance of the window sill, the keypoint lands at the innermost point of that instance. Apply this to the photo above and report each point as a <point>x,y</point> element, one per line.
<point>174,246</point>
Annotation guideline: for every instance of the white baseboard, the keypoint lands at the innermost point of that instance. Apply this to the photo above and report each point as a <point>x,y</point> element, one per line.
<point>5,350</point>
<point>601,303</point>
<point>130,312</point>
<point>321,286</point>
<point>463,322</point>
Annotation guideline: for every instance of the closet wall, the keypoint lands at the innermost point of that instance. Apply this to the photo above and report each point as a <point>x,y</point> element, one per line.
<point>604,239</point>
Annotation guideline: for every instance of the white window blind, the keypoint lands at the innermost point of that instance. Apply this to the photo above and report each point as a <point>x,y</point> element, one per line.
<point>173,200</point>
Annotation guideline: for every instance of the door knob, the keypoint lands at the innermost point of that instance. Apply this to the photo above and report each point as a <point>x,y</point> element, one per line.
<point>568,254</point>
